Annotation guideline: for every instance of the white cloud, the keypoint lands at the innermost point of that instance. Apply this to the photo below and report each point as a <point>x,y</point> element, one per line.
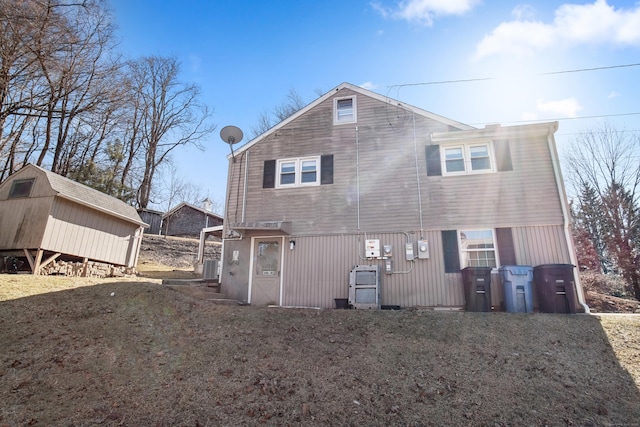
<point>613,94</point>
<point>369,86</point>
<point>523,11</point>
<point>520,38</point>
<point>563,108</point>
<point>595,23</point>
<point>424,11</point>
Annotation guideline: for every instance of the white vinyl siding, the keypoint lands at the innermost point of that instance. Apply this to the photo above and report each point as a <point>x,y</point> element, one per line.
<point>388,184</point>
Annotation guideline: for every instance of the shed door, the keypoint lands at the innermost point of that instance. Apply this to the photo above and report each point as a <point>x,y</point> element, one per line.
<point>265,288</point>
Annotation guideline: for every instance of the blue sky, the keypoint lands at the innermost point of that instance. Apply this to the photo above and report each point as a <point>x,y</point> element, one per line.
<point>247,55</point>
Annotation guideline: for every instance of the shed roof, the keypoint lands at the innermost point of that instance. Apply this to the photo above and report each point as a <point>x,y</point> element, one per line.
<point>87,196</point>
<point>200,209</point>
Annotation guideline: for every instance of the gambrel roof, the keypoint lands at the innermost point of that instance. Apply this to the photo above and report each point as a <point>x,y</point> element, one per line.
<point>390,101</point>
<point>87,196</point>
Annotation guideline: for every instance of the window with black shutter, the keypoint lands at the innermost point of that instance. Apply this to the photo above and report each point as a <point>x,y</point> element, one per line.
<point>450,251</point>
<point>298,172</point>
<point>506,248</point>
<point>269,175</point>
<point>326,169</point>
<point>503,155</point>
<point>434,167</point>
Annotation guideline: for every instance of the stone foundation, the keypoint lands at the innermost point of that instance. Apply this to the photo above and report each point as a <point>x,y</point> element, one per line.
<point>89,269</point>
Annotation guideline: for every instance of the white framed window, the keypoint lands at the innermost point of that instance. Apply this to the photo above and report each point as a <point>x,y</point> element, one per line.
<point>467,159</point>
<point>344,110</point>
<point>298,172</point>
<point>477,248</point>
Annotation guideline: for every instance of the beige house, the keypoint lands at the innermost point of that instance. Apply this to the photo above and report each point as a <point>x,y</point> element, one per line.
<point>358,179</point>
<point>45,216</point>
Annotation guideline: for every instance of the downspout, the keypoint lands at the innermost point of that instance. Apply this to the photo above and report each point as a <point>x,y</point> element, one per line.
<point>358,176</point>
<point>415,153</point>
<point>246,177</point>
<point>226,217</point>
<point>555,162</point>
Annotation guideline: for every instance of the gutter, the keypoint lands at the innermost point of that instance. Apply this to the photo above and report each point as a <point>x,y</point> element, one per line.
<point>555,161</point>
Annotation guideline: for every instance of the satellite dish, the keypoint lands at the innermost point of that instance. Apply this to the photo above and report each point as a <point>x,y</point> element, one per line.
<point>231,134</point>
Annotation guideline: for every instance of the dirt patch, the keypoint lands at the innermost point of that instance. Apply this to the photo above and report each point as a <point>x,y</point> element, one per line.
<point>173,257</point>
<point>602,303</point>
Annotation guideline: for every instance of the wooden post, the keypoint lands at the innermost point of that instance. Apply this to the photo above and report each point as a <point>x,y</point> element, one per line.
<point>85,268</point>
<point>34,263</point>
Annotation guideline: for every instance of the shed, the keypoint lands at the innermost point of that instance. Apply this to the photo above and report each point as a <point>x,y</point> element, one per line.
<point>188,220</point>
<point>153,218</point>
<point>46,215</point>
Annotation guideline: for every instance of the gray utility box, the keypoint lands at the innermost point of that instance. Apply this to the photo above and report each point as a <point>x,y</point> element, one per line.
<point>364,287</point>
<point>210,270</point>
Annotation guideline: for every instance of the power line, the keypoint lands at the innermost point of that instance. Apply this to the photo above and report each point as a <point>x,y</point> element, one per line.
<point>560,119</point>
<point>482,79</point>
<point>580,70</point>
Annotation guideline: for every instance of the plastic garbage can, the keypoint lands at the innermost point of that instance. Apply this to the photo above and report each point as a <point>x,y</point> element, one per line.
<point>555,287</point>
<point>518,288</point>
<point>477,288</point>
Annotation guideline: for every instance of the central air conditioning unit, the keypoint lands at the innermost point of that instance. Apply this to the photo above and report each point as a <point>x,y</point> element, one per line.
<point>364,287</point>
<point>210,270</point>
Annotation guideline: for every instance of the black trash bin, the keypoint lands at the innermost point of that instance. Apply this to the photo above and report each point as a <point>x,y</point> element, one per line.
<point>555,287</point>
<point>477,288</point>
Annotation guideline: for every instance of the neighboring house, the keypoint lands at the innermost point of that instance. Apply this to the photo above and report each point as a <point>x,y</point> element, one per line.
<point>153,218</point>
<point>355,168</point>
<point>45,216</point>
<point>188,220</point>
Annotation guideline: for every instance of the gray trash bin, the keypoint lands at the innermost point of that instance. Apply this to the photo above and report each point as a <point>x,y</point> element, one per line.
<point>518,289</point>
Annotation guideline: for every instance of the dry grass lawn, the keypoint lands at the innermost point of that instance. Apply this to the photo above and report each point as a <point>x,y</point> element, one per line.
<point>129,352</point>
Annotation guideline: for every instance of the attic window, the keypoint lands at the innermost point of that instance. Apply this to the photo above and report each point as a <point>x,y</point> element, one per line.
<point>344,110</point>
<point>21,188</point>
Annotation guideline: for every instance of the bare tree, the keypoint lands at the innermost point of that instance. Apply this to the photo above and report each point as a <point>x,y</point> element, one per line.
<point>68,103</point>
<point>171,114</point>
<point>267,119</point>
<point>21,24</point>
<point>54,74</point>
<point>77,76</point>
<point>604,165</point>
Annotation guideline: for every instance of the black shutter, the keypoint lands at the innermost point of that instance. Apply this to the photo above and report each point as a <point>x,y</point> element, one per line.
<point>503,155</point>
<point>433,160</point>
<point>450,250</point>
<point>269,175</point>
<point>326,169</point>
<point>506,249</point>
